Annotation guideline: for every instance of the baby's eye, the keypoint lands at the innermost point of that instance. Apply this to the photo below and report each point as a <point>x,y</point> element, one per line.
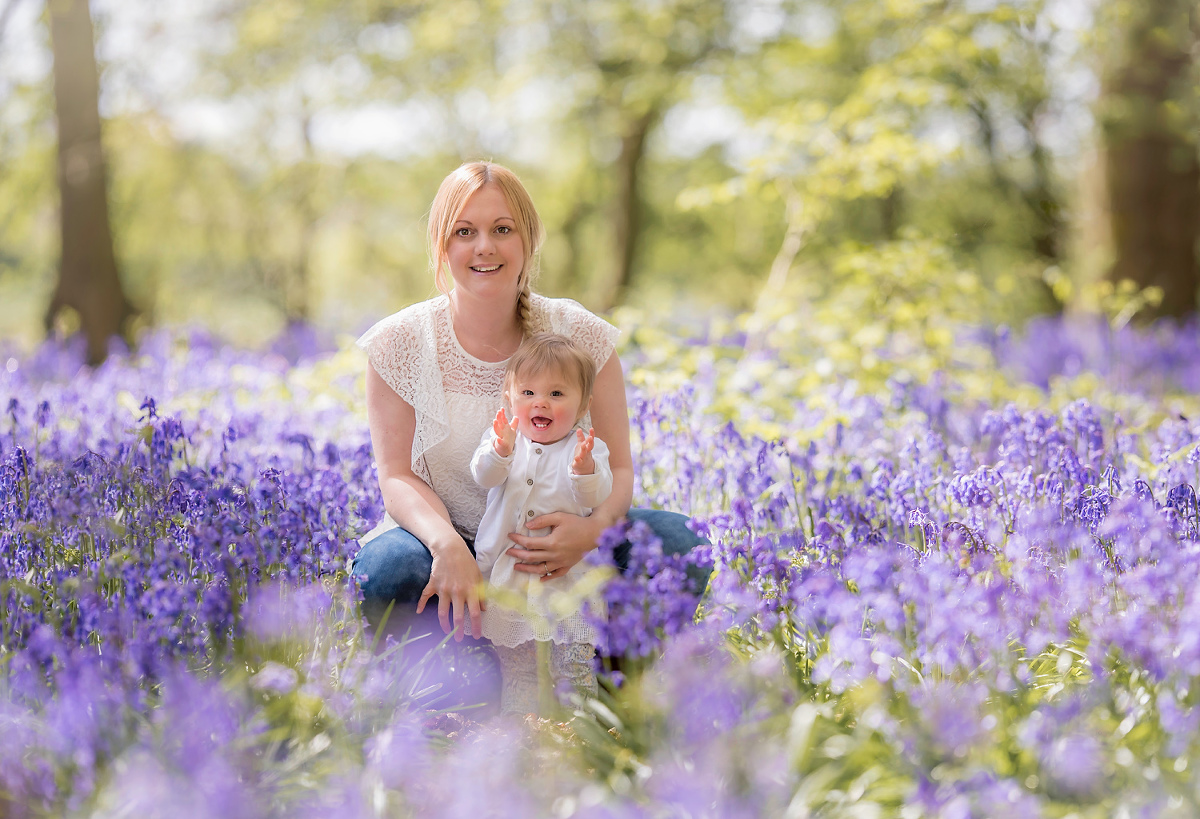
<point>526,392</point>
<point>557,393</point>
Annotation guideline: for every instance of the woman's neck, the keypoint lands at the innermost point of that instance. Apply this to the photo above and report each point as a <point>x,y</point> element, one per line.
<point>483,331</point>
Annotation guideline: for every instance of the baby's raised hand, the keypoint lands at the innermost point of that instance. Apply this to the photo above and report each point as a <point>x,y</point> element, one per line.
<point>506,434</point>
<point>583,463</point>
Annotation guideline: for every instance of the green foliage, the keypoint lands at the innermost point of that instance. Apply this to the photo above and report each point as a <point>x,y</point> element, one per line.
<point>890,118</point>
<point>849,121</point>
<point>28,216</point>
<point>862,317</point>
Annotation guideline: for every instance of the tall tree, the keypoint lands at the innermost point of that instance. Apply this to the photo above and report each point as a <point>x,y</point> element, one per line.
<point>630,62</point>
<point>1152,165</point>
<point>88,280</point>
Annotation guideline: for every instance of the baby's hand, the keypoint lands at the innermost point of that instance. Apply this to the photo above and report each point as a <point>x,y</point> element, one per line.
<point>583,463</point>
<point>506,434</point>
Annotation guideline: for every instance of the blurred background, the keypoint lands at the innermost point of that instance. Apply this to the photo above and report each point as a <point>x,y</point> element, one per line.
<point>246,165</point>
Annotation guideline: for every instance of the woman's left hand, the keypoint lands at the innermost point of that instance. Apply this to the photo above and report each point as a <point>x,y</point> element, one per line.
<point>570,538</point>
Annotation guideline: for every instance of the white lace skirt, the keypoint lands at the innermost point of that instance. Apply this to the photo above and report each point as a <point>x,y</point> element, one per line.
<point>522,607</point>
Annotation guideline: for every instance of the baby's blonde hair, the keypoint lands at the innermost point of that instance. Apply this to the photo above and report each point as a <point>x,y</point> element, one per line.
<point>551,351</point>
<point>447,206</point>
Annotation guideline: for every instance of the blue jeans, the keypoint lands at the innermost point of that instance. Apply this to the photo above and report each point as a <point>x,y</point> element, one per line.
<point>395,567</point>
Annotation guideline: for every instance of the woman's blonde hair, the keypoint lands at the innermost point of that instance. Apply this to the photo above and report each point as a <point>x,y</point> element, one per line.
<point>550,351</point>
<point>447,206</point>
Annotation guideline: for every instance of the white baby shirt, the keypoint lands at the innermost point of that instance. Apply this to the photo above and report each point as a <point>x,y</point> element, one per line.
<point>534,480</point>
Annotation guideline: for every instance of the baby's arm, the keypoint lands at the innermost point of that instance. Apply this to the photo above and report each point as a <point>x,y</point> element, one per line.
<point>591,490</point>
<point>488,467</point>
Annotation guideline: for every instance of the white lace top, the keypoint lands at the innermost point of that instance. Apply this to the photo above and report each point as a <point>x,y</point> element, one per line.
<point>455,395</point>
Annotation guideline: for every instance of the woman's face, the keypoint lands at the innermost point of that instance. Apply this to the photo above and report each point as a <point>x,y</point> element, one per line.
<point>485,252</point>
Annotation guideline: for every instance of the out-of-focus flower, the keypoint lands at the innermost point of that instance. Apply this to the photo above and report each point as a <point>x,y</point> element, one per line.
<point>1075,764</point>
<point>274,678</point>
<point>280,611</point>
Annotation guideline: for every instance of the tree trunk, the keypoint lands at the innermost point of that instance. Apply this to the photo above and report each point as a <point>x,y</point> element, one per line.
<point>627,212</point>
<point>1151,161</point>
<point>1043,201</point>
<point>298,281</point>
<point>793,240</point>
<point>571,272</point>
<point>891,209</point>
<point>88,280</point>
<point>297,288</point>
<point>1040,197</point>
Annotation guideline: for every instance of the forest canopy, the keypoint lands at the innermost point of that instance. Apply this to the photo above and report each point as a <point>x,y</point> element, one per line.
<point>271,162</point>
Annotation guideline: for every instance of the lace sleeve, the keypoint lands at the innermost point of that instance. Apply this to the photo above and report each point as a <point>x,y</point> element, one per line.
<point>593,333</point>
<point>403,350</point>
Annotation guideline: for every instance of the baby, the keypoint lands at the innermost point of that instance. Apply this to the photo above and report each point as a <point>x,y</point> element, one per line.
<point>537,463</point>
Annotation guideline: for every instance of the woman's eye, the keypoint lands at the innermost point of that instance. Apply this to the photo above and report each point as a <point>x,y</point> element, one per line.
<point>463,232</point>
<point>504,229</point>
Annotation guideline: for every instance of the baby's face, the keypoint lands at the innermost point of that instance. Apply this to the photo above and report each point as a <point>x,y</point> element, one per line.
<point>546,405</point>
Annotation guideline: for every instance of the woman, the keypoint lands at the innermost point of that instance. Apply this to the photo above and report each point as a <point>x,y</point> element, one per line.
<point>434,380</point>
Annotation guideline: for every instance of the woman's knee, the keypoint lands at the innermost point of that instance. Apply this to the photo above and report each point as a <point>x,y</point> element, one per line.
<point>677,539</point>
<point>393,566</point>
<point>669,527</point>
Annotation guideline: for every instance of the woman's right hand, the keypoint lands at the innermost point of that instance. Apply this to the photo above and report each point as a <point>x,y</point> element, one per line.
<point>456,581</point>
